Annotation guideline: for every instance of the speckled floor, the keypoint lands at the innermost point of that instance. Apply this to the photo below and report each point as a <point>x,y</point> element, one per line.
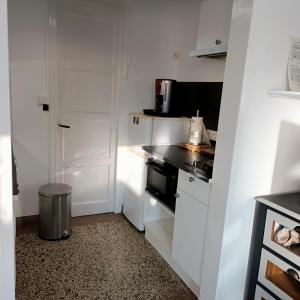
<point>106,260</point>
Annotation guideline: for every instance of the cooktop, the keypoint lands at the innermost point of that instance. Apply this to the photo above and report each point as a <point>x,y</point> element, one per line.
<point>202,167</point>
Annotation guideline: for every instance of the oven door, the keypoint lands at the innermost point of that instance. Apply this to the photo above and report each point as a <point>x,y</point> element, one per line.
<point>162,182</point>
<point>157,178</point>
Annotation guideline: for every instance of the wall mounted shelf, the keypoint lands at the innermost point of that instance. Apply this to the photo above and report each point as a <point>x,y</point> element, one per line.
<point>284,94</point>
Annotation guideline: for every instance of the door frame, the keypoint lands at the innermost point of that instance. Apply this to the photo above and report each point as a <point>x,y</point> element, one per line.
<point>7,226</point>
<point>52,67</point>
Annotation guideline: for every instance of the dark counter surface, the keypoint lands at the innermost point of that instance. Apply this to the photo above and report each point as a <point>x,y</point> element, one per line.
<point>179,157</point>
<point>288,203</point>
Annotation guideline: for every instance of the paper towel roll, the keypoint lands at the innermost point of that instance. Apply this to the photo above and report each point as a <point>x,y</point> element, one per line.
<point>198,132</point>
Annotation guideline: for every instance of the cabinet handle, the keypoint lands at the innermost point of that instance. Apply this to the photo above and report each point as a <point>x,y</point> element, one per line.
<point>292,273</point>
<point>177,195</point>
<point>191,179</point>
<point>63,126</point>
<point>218,42</point>
<point>133,120</point>
<point>137,121</point>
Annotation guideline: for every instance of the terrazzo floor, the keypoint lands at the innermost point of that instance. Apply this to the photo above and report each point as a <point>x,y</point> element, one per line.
<point>107,259</point>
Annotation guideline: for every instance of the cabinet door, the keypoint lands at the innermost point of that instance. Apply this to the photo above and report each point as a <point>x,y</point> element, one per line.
<point>194,187</point>
<point>134,189</point>
<point>261,294</point>
<point>139,130</point>
<point>214,23</point>
<point>279,276</point>
<point>189,233</point>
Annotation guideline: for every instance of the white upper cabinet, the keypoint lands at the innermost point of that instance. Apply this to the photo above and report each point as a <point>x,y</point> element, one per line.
<point>146,130</point>
<point>168,131</point>
<point>139,130</point>
<point>213,28</point>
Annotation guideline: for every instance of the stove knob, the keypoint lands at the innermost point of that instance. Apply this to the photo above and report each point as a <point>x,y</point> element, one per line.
<point>191,179</point>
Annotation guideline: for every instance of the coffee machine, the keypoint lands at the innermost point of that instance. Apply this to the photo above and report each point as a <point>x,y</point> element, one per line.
<point>163,95</point>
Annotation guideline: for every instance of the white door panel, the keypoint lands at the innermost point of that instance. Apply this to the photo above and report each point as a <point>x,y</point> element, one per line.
<point>74,90</point>
<point>88,39</point>
<point>86,139</point>
<point>87,52</point>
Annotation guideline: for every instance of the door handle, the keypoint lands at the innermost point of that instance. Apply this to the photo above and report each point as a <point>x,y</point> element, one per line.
<point>64,126</point>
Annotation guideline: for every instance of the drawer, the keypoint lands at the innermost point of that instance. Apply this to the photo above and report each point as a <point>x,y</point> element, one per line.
<point>274,221</point>
<point>279,276</point>
<point>194,187</point>
<point>261,294</point>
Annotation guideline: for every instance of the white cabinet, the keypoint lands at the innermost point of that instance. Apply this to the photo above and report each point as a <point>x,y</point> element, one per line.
<point>170,131</point>
<point>139,130</point>
<point>213,27</point>
<point>159,223</point>
<point>194,187</point>
<point>188,235</point>
<point>146,130</point>
<point>134,189</point>
<point>190,224</point>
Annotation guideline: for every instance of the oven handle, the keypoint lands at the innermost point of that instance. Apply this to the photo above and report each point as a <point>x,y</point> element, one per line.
<point>157,169</point>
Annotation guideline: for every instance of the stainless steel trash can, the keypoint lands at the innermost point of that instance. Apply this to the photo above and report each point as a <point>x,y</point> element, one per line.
<point>55,211</point>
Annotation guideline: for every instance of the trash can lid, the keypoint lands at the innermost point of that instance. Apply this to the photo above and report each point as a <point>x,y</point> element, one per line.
<point>54,189</point>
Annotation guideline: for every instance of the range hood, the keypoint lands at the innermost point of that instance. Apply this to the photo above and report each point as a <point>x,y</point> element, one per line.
<point>213,28</point>
<point>210,52</point>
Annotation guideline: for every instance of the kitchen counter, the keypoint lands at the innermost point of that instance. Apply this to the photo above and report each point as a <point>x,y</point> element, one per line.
<point>179,157</point>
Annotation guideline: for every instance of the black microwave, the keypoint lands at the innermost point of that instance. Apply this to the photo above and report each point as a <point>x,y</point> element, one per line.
<point>162,182</point>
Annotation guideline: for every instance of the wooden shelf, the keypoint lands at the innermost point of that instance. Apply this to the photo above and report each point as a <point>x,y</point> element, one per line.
<point>284,94</point>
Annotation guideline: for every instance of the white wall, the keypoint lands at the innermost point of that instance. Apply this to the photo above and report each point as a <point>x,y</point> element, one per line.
<point>156,31</point>
<point>7,270</point>
<point>31,140</point>
<point>258,139</point>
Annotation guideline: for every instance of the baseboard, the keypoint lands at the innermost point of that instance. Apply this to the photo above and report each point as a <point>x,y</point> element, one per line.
<point>27,220</point>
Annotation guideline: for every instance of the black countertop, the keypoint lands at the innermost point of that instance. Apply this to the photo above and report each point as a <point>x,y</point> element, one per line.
<point>179,157</point>
<point>288,203</point>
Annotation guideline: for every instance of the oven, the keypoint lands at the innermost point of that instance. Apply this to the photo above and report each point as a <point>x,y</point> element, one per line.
<point>162,181</point>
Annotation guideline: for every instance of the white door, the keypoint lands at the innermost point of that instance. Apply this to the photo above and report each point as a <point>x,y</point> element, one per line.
<point>87,52</point>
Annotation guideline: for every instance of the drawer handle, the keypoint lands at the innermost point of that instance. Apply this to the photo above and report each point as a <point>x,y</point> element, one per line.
<point>64,126</point>
<point>292,273</point>
<point>191,179</point>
